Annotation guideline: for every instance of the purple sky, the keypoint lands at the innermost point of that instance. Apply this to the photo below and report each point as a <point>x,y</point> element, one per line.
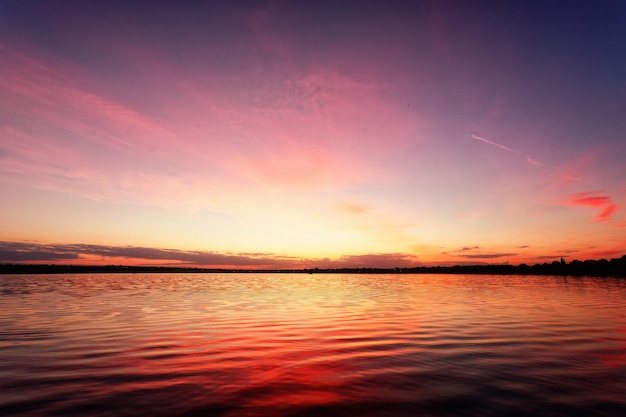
<point>274,134</point>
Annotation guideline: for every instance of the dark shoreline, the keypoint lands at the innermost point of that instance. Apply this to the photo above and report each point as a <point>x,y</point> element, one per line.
<point>614,267</point>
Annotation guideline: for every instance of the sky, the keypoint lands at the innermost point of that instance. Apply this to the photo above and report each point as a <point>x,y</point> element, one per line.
<point>297,134</point>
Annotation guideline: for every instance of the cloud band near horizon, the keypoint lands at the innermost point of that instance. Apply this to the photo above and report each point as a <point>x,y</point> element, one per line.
<point>21,252</point>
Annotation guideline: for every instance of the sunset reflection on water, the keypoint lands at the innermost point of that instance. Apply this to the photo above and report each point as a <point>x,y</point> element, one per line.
<point>291,344</point>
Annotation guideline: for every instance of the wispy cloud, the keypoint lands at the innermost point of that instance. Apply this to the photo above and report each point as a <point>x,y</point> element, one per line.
<point>461,250</point>
<point>353,208</point>
<point>602,203</point>
<point>468,248</point>
<point>488,255</point>
<point>473,252</point>
<point>529,158</point>
<point>616,250</point>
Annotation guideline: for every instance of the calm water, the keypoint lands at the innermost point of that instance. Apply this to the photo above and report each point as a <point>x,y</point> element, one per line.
<point>307,345</point>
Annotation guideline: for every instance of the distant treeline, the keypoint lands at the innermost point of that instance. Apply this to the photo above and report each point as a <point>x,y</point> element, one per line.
<point>602,267</point>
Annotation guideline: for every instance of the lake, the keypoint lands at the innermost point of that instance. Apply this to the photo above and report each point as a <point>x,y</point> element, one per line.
<point>308,345</point>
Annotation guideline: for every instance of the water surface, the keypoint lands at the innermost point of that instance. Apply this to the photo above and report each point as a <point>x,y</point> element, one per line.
<point>306,345</point>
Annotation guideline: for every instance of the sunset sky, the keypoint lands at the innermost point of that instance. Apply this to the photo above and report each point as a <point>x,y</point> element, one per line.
<point>282,134</point>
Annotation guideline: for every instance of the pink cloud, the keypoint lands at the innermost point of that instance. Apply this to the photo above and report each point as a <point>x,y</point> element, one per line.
<point>88,144</point>
<point>307,129</point>
<point>603,204</point>
<point>66,115</point>
<point>579,170</point>
<point>289,129</point>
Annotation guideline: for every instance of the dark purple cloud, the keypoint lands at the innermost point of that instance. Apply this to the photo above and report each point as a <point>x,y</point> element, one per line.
<point>24,252</point>
<point>487,255</point>
<point>34,252</point>
<point>374,260</point>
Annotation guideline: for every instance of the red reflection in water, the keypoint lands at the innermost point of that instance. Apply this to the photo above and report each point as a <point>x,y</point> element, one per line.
<point>296,386</point>
<point>615,357</point>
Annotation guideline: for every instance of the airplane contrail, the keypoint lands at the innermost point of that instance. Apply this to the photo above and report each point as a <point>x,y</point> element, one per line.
<point>506,148</point>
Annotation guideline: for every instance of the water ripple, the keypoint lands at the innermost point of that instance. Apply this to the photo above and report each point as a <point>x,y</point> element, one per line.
<point>308,345</point>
